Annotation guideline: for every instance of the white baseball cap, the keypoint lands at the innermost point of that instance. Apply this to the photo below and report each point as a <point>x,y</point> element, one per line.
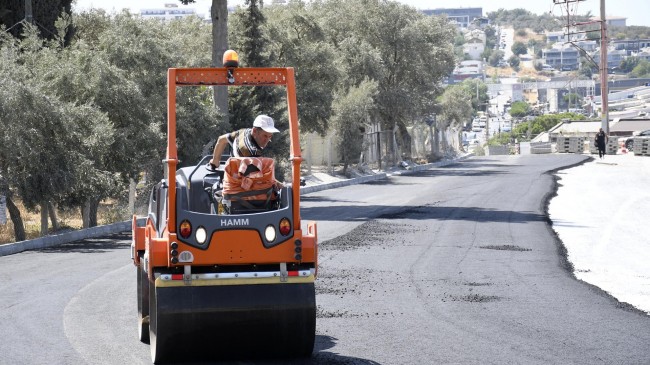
<point>266,123</point>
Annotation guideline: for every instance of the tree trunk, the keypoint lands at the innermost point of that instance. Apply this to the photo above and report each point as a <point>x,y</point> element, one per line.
<point>94,204</point>
<point>404,138</point>
<point>132,187</point>
<point>431,144</point>
<point>89,213</point>
<point>219,16</point>
<point>43,218</point>
<point>85,214</point>
<point>436,142</point>
<point>16,219</point>
<point>460,140</point>
<point>445,144</point>
<point>52,211</point>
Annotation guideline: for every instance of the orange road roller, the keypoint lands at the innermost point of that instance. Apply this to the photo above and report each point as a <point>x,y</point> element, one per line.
<point>224,269</point>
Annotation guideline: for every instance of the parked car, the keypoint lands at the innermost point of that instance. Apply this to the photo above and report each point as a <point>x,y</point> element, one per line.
<point>628,142</point>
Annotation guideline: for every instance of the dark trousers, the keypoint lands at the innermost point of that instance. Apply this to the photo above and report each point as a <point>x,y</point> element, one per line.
<point>601,151</point>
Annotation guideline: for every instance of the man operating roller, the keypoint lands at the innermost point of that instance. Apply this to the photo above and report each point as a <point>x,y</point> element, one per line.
<point>246,142</point>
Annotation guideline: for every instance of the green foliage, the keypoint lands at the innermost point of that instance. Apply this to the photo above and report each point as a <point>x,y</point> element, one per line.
<point>94,112</point>
<point>44,13</point>
<point>296,39</point>
<point>501,139</point>
<point>629,63</point>
<point>542,123</point>
<point>519,48</point>
<point>415,53</point>
<point>490,32</point>
<point>35,134</point>
<point>593,35</point>
<point>572,98</point>
<point>352,109</point>
<point>47,139</point>
<point>95,109</point>
<point>642,69</point>
<point>143,50</point>
<point>587,68</point>
<point>495,58</point>
<point>459,40</point>
<point>533,43</point>
<point>514,62</point>
<point>629,32</point>
<point>196,120</point>
<point>250,38</point>
<point>524,19</point>
<point>252,41</point>
<point>487,53</point>
<point>456,106</point>
<point>472,87</point>
<point>519,109</point>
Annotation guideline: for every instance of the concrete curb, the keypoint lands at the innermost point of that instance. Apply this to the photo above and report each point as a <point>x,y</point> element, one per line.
<point>416,168</point>
<point>346,182</point>
<point>67,237</point>
<point>379,176</point>
<point>57,239</point>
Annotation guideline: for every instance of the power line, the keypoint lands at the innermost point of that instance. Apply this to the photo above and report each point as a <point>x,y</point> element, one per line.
<point>603,53</point>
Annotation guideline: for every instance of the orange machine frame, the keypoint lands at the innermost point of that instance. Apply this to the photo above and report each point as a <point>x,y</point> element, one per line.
<point>238,77</point>
<point>146,237</point>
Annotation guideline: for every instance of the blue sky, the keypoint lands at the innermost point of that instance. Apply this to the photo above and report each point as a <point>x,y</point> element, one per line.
<point>637,12</point>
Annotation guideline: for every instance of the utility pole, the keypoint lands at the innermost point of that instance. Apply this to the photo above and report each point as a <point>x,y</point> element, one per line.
<point>602,67</point>
<point>29,16</point>
<point>604,93</point>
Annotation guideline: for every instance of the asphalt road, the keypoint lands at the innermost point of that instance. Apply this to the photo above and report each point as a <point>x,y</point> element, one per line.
<point>452,265</point>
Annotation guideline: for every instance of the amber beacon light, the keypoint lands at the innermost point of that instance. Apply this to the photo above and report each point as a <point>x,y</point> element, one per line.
<point>230,59</point>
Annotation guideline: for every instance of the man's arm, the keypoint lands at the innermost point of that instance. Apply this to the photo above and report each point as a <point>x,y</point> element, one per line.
<point>219,147</point>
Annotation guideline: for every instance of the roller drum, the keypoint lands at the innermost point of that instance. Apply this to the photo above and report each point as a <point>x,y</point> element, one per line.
<point>232,321</point>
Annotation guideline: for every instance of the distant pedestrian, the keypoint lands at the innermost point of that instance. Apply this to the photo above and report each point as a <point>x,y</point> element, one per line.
<point>601,142</point>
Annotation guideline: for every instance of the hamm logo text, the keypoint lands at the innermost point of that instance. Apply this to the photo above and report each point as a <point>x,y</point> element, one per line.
<point>234,222</point>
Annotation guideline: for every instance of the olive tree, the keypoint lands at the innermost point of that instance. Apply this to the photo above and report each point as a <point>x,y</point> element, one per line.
<point>140,52</point>
<point>296,39</point>
<point>519,48</point>
<point>415,53</point>
<point>38,156</point>
<point>456,107</point>
<point>352,110</point>
<point>41,152</point>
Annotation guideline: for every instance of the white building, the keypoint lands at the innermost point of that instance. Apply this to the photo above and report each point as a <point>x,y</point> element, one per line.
<point>644,54</point>
<point>474,46</point>
<point>616,21</point>
<point>587,46</point>
<point>169,12</point>
<point>554,37</point>
<point>562,57</point>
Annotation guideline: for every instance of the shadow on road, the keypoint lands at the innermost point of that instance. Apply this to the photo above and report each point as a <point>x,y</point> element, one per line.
<point>460,172</point>
<point>474,214</point>
<point>319,357</point>
<point>93,245</point>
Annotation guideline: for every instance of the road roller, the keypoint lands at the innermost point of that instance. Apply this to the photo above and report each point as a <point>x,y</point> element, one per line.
<point>223,272</point>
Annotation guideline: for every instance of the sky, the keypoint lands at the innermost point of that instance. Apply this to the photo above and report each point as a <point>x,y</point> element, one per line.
<point>637,12</point>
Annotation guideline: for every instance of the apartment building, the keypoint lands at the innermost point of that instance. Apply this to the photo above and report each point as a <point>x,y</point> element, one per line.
<point>562,57</point>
